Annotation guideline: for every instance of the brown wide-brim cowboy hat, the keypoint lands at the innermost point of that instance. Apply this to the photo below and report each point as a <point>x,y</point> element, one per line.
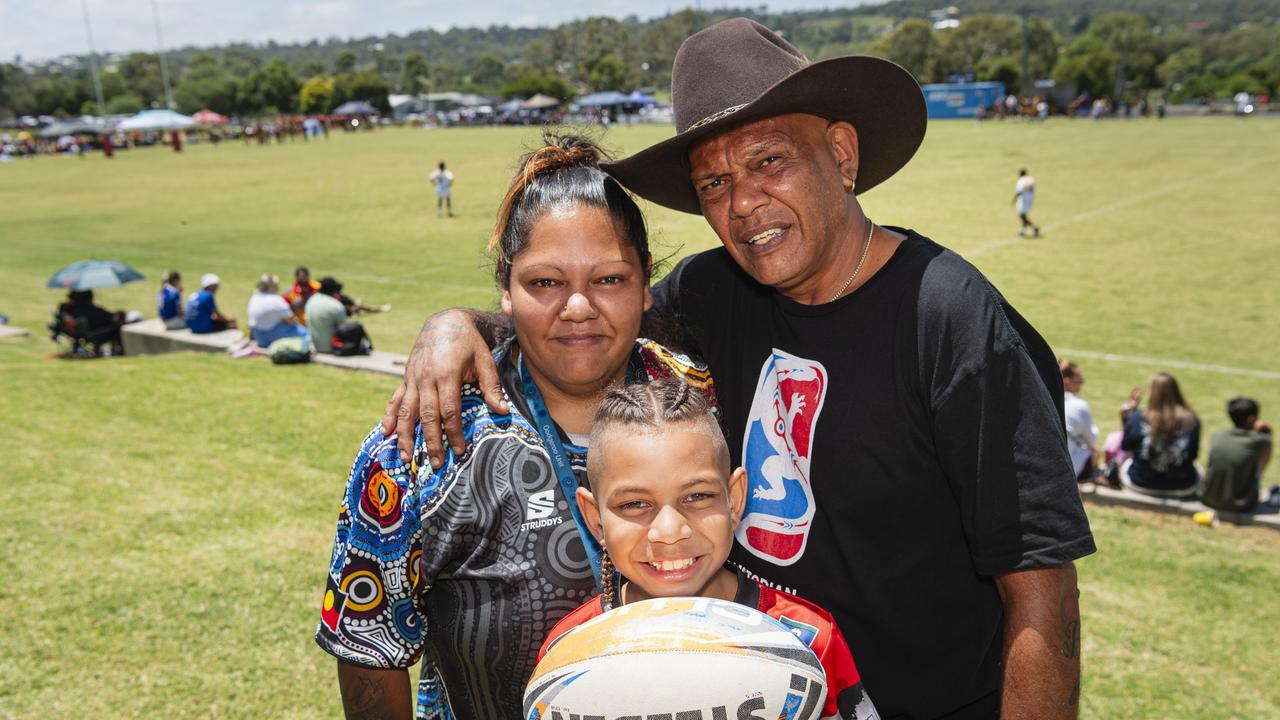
<point>738,71</point>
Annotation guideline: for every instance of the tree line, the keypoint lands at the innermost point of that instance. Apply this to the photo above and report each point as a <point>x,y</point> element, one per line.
<point>1120,48</point>
<point>1118,54</point>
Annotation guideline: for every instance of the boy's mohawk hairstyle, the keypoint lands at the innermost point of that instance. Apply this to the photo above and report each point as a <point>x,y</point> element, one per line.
<point>651,404</point>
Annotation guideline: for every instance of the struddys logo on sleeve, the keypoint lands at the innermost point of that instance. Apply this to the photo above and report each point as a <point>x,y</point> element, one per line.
<point>776,452</point>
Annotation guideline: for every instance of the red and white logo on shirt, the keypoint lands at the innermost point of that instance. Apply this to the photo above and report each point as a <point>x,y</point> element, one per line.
<point>776,452</point>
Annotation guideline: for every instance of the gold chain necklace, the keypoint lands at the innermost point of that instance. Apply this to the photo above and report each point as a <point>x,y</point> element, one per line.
<point>871,228</point>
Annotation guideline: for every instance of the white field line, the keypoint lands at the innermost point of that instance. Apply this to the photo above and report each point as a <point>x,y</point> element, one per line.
<point>1162,362</point>
<point>998,243</point>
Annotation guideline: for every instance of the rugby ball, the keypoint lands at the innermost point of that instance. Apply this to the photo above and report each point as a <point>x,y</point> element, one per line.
<point>678,658</point>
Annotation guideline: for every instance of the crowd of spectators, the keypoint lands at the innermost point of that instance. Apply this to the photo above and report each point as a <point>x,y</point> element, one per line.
<point>318,312</point>
<point>1156,451</point>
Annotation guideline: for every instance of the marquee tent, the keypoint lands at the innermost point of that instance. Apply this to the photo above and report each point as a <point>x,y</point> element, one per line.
<point>608,98</point>
<point>156,120</point>
<point>70,127</point>
<point>355,107</point>
<point>209,117</point>
<point>539,102</point>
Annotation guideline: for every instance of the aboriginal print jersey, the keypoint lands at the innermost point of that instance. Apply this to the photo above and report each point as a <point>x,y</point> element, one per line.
<point>466,567</point>
<point>813,625</point>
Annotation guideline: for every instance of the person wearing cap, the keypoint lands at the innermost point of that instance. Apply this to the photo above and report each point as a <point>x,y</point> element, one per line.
<point>202,310</point>
<point>900,422</point>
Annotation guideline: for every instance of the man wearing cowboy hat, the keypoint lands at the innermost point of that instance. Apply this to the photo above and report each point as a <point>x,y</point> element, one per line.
<point>899,421</point>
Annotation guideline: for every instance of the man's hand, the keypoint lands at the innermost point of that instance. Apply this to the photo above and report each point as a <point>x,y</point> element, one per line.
<point>449,352</point>
<point>369,694</point>
<point>1041,643</point>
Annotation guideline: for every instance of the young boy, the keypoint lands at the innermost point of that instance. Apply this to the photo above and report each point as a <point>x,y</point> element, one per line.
<point>664,506</point>
<point>1237,459</point>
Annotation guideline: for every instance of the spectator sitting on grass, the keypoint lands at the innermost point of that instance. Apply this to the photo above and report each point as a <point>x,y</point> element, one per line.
<point>169,301</point>
<point>1164,440</point>
<point>1237,459</point>
<point>202,311</point>
<point>324,314</point>
<point>101,326</point>
<point>270,317</point>
<point>1082,433</point>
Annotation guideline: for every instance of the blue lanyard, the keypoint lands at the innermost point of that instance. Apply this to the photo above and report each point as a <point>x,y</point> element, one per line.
<point>560,462</point>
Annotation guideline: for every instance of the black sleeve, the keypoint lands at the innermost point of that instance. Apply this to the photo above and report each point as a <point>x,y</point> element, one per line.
<point>999,442</point>
<point>1042,355</point>
<point>998,424</point>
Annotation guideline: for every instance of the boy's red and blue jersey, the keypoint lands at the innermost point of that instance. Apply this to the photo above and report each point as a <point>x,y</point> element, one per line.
<point>846,698</point>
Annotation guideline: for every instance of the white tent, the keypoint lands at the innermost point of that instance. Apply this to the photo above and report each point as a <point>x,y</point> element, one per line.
<point>156,120</point>
<point>540,102</point>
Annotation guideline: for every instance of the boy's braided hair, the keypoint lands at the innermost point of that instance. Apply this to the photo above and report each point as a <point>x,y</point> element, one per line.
<point>607,583</point>
<point>651,405</point>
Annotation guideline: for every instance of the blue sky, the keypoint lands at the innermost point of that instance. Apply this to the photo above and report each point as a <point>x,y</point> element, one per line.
<point>39,29</point>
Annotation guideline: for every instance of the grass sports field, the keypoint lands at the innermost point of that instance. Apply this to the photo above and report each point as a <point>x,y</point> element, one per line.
<point>169,518</point>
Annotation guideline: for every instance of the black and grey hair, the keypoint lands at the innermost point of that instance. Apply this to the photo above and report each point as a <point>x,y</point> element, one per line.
<point>564,171</point>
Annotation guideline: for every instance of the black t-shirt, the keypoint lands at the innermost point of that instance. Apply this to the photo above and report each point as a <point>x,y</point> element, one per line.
<point>904,444</point>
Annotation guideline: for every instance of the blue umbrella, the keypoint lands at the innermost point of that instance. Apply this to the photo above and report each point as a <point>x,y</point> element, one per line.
<point>90,274</point>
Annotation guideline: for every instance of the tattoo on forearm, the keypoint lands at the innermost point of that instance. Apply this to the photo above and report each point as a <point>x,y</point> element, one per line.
<point>1071,651</point>
<point>364,699</point>
<point>1071,640</point>
<point>444,332</point>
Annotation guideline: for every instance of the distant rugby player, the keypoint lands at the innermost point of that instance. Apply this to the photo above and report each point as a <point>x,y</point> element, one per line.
<point>1024,196</point>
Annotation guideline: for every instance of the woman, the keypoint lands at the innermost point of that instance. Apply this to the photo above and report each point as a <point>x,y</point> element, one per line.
<point>1082,433</point>
<point>489,550</point>
<point>270,317</point>
<point>1164,440</point>
<point>169,301</point>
